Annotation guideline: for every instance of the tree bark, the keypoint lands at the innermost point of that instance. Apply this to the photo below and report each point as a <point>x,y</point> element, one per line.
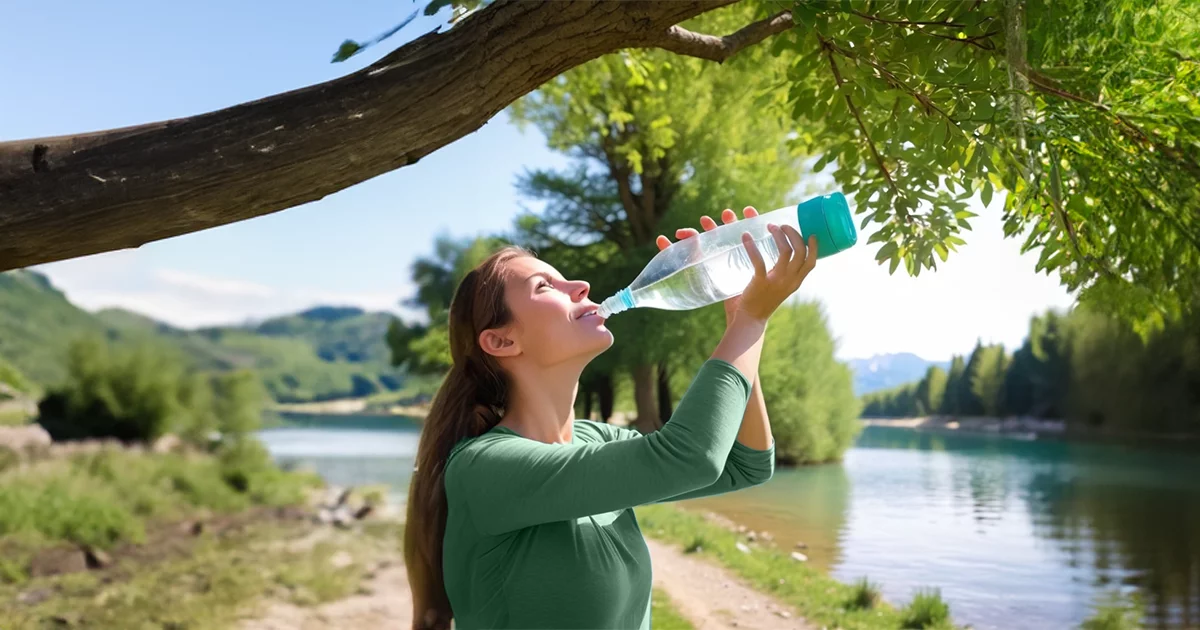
<point>606,395</point>
<point>644,386</point>
<point>82,194</point>
<point>666,406</point>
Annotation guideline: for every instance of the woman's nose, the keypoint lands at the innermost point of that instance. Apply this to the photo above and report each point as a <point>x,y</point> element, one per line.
<point>580,290</point>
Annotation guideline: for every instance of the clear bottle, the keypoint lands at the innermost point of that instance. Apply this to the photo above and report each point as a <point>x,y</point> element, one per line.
<point>714,266</point>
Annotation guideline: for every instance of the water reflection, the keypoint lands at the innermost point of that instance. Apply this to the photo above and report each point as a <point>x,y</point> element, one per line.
<point>1023,534</point>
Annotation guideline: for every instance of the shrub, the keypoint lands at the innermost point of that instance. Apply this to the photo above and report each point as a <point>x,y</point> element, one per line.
<point>926,610</point>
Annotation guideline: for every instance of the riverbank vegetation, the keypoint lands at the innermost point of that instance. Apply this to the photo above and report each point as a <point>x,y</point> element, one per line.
<point>1093,371</point>
<point>822,600</point>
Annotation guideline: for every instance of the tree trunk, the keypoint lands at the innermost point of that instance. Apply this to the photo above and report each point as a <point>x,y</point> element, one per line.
<point>587,404</point>
<point>644,385</point>
<point>605,392</point>
<point>665,405</point>
<point>82,194</point>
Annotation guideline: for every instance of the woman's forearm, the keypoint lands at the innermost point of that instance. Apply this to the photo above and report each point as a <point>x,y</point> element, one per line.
<point>741,346</point>
<point>755,431</point>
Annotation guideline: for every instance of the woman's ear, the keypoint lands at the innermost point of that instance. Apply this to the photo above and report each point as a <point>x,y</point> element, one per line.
<point>499,342</point>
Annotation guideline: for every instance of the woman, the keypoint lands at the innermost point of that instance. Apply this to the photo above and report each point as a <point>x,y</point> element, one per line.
<point>519,515</point>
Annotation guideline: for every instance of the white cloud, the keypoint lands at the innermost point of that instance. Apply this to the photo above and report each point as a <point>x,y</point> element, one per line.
<point>214,286</point>
<point>190,300</point>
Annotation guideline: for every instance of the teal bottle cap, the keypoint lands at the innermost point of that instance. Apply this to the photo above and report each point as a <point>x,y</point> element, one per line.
<point>829,218</point>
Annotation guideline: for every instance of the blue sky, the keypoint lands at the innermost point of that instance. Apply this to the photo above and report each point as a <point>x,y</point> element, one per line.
<point>96,66</point>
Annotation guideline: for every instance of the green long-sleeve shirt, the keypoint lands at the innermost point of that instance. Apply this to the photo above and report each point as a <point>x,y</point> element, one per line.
<point>543,535</point>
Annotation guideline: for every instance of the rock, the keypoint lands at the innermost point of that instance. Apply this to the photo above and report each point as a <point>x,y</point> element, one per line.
<point>743,548</point>
<point>166,444</point>
<point>801,545</point>
<point>366,591</point>
<point>96,558</point>
<point>783,613</point>
<point>36,596</point>
<point>325,516</point>
<point>766,536</point>
<point>751,536</point>
<point>741,529</point>
<point>799,557</point>
<point>342,517</point>
<point>58,561</point>
<point>363,512</point>
<point>341,560</point>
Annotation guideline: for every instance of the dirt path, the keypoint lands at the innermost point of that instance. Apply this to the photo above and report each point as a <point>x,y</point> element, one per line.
<point>707,595</point>
<point>711,597</point>
<point>383,602</point>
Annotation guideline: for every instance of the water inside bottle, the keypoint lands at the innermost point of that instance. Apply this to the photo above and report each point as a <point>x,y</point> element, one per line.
<point>717,278</point>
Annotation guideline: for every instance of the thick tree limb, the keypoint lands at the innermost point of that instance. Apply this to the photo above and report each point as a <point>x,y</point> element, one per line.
<point>681,41</point>
<point>75,195</point>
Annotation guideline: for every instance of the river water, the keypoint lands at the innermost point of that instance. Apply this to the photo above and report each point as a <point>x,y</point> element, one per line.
<point>1016,534</point>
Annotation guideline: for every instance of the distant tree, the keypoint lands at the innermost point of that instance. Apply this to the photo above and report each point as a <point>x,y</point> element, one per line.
<point>809,395</point>
<point>952,402</point>
<point>931,391</point>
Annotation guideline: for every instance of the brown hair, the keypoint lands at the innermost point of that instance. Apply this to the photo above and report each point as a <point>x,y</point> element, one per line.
<point>469,402</point>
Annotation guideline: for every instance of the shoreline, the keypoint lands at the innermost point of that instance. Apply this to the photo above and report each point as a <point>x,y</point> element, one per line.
<point>1030,429</point>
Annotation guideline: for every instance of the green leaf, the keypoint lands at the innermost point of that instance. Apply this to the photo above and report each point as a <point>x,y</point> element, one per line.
<point>986,195</point>
<point>941,250</point>
<point>892,268</point>
<point>886,251</point>
<point>348,49</point>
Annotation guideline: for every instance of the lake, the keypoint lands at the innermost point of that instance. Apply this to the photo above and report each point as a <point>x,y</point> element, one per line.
<point>1016,534</point>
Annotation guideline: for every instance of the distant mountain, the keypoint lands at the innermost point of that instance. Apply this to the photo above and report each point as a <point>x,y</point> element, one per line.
<point>884,371</point>
<point>319,354</point>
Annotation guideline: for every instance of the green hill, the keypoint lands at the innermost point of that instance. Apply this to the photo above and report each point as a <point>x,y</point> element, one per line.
<point>319,354</point>
<point>37,324</point>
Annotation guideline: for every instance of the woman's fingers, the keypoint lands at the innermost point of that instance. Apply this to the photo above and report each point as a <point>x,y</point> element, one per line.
<point>727,216</point>
<point>756,259</point>
<point>800,250</point>
<point>784,247</point>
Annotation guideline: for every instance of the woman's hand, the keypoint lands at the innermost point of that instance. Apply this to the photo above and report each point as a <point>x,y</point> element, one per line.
<point>706,222</point>
<point>769,288</point>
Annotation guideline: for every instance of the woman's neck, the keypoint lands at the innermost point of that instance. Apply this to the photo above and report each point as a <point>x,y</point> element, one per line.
<point>541,405</point>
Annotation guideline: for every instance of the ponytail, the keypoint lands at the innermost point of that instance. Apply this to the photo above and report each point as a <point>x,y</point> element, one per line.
<point>469,403</point>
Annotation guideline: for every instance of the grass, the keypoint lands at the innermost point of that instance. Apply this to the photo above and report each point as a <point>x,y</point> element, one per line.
<point>664,615</point>
<point>822,600</point>
<point>109,497</point>
<point>1115,613</point>
<point>210,585</point>
<point>866,595</point>
<point>13,417</point>
<point>926,610</point>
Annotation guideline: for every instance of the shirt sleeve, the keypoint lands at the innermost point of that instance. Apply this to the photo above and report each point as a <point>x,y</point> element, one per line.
<point>744,468</point>
<point>508,482</point>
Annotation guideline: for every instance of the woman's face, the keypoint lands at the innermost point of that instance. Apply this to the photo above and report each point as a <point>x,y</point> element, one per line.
<point>553,319</point>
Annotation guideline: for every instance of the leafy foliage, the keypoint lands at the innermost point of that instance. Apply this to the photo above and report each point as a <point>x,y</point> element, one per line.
<point>809,394</point>
<point>1085,112</point>
<point>141,393</point>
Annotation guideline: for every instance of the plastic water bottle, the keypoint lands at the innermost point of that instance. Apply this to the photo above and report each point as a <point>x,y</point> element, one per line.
<point>714,266</point>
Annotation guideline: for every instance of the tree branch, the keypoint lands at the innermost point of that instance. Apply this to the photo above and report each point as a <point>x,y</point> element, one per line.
<point>875,18</point>
<point>1042,86</point>
<point>837,75</point>
<point>82,194</point>
<point>924,101</point>
<point>681,41</point>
